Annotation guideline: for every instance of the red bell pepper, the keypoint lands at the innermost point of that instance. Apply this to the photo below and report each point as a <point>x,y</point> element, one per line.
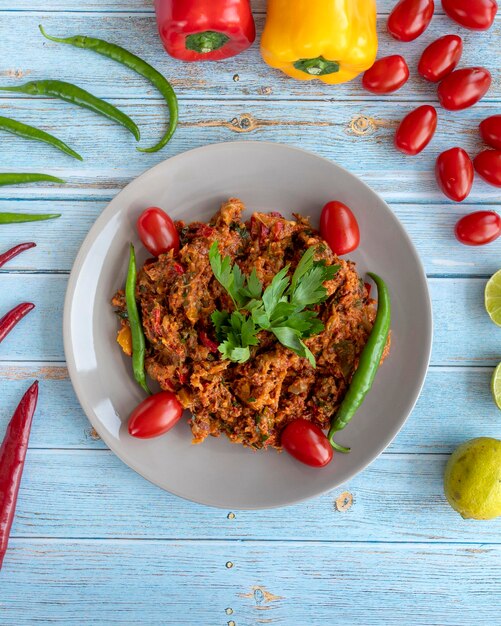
<point>205,30</point>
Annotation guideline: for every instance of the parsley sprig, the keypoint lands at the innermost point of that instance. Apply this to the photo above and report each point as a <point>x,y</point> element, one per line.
<point>283,308</point>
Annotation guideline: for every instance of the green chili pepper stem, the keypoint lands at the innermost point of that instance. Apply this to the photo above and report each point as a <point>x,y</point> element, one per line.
<point>78,96</point>
<point>31,132</point>
<point>136,329</point>
<point>368,364</point>
<point>18,218</point>
<point>135,63</point>
<point>27,177</point>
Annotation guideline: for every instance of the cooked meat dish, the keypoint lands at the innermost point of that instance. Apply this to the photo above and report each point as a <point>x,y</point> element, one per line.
<point>249,402</point>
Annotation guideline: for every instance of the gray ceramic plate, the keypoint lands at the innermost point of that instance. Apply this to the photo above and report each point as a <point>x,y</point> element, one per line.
<point>191,186</point>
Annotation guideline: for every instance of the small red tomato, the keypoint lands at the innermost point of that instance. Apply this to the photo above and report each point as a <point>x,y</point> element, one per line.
<point>386,75</point>
<point>157,231</point>
<point>307,443</point>
<point>155,415</point>
<point>440,57</point>
<point>490,129</point>
<point>454,172</point>
<point>410,18</point>
<point>488,166</point>
<point>463,88</point>
<point>473,14</point>
<point>416,130</point>
<point>479,228</point>
<point>339,227</point>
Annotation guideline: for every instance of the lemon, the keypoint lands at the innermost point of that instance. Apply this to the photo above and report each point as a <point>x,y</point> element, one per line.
<point>493,298</point>
<point>472,479</point>
<point>496,386</point>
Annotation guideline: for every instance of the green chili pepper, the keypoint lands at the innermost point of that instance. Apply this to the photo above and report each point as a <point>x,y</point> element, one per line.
<point>368,364</point>
<point>135,63</point>
<point>76,95</point>
<point>18,218</point>
<point>31,132</point>
<point>27,177</point>
<point>136,328</point>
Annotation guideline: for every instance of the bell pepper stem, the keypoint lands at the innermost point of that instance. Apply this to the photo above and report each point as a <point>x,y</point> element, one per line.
<point>317,67</point>
<point>206,42</point>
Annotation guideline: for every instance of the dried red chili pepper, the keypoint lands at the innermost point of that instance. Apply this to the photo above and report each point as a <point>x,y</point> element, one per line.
<point>10,319</point>
<point>10,254</point>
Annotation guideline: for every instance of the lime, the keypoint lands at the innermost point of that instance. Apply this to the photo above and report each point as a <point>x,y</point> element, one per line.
<point>496,386</point>
<point>472,479</point>
<point>493,298</point>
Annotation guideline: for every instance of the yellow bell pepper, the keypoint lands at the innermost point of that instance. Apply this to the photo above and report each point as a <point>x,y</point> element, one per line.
<point>331,40</point>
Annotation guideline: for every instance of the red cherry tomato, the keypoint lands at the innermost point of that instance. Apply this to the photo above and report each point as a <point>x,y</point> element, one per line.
<point>410,18</point>
<point>307,443</point>
<point>479,228</point>
<point>490,129</point>
<point>155,415</point>
<point>454,172</point>
<point>463,88</point>
<point>157,231</point>
<point>416,130</point>
<point>473,14</point>
<point>440,57</point>
<point>488,166</point>
<point>339,227</point>
<point>386,75</point>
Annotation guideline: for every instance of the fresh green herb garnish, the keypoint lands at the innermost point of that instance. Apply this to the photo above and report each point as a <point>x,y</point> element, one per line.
<point>282,309</point>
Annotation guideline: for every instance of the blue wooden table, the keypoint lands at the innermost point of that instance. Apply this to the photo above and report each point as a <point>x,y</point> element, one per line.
<point>94,543</point>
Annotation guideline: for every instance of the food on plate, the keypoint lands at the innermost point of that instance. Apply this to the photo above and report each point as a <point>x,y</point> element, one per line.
<point>330,41</point>
<point>490,131</point>
<point>463,88</point>
<point>252,324</point>
<point>156,415</point>
<point>307,443</point>
<point>339,227</point>
<point>416,130</point>
<point>493,298</point>
<point>138,65</point>
<point>205,30</point>
<point>473,14</point>
<point>157,231</point>
<point>386,75</point>
<point>488,166</point>
<point>478,228</point>
<point>410,18</point>
<point>134,323</point>
<point>440,57</point>
<point>454,173</point>
<point>21,178</point>
<point>13,252</point>
<point>472,479</point>
<point>13,317</point>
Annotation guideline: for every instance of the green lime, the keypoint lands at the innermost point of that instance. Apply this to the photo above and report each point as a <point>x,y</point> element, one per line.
<point>472,479</point>
<point>493,298</point>
<point>496,386</point>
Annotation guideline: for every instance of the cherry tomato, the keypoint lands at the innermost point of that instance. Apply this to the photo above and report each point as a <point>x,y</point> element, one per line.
<point>416,130</point>
<point>155,415</point>
<point>307,443</point>
<point>490,129</point>
<point>157,231</point>
<point>386,75</point>
<point>479,228</point>
<point>473,14</point>
<point>454,172</point>
<point>463,88</point>
<point>488,166</point>
<point>339,227</point>
<point>410,18</point>
<point>440,57</point>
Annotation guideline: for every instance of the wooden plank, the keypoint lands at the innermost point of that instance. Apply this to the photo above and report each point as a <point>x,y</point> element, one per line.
<point>204,80</point>
<point>402,495</point>
<point>357,135</point>
<point>136,582</point>
<point>457,303</point>
<point>455,405</point>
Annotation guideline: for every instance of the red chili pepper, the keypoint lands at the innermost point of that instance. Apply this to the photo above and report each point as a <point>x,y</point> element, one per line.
<point>10,319</point>
<point>10,254</point>
<point>179,268</point>
<point>12,455</point>
<point>368,288</point>
<point>207,341</point>
<point>277,229</point>
<point>205,30</point>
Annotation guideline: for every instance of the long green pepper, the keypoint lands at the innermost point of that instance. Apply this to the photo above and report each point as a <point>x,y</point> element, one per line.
<point>19,218</point>
<point>31,132</point>
<point>367,366</point>
<point>136,328</point>
<point>135,63</point>
<point>21,178</point>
